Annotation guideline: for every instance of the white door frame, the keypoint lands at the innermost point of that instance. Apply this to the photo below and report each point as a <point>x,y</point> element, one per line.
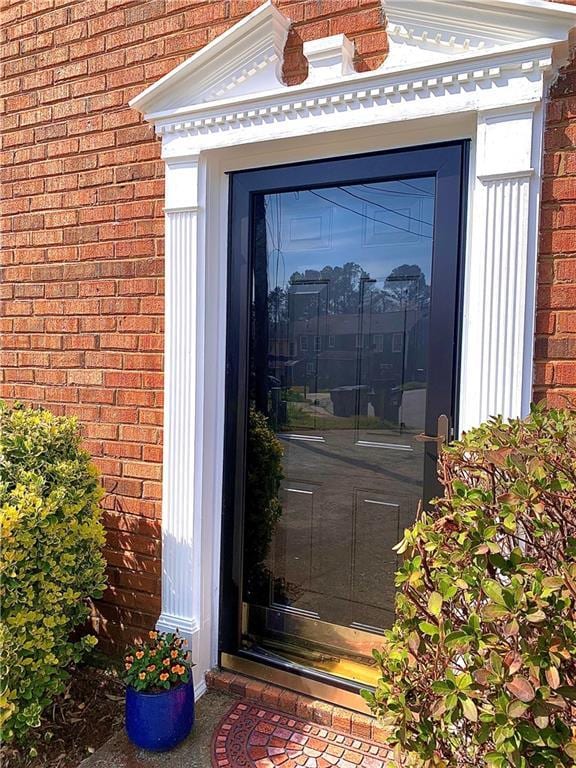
<point>225,109</point>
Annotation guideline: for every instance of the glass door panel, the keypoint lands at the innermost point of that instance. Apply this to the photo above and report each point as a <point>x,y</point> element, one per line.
<point>347,273</point>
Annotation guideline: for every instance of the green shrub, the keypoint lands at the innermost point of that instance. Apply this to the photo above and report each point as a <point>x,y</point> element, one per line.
<point>479,668</point>
<point>51,560</point>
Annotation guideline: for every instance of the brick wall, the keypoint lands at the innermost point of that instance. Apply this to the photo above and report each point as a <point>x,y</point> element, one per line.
<point>82,257</point>
<point>555,348</point>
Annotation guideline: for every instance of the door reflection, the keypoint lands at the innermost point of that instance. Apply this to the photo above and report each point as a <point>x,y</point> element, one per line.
<point>338,368</point>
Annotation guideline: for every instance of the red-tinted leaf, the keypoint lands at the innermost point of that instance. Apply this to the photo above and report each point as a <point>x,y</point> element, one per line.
<point>513,661</point>
<point>521,688</point>
<point>499,456</point>
<point>481,676</point>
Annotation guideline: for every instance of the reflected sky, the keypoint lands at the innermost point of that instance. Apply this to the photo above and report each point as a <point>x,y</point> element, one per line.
<point>377,224</point>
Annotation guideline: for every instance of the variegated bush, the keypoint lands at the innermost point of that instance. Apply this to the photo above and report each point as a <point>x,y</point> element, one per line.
<point>479,668</point>
<point>50,562</point>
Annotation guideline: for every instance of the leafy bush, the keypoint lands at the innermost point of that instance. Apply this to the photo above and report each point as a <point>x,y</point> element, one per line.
<point>51,560</point>
<point>479,668</point>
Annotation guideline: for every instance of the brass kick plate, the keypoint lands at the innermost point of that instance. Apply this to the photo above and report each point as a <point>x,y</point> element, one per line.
<point>294,682</point>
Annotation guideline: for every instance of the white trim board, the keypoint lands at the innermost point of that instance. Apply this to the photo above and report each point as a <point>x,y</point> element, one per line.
<point>476,69</point>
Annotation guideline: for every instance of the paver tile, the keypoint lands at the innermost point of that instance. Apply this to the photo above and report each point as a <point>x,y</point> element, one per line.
<point>263,738</point>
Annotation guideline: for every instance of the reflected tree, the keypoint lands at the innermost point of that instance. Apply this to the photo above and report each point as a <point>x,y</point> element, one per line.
<point>262,506</point>
<point>406,286</point>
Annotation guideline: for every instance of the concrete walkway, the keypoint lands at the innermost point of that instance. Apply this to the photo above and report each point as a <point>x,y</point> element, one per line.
<point>192,753</point>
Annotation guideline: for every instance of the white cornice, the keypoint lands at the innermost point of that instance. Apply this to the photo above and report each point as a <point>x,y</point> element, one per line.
<point>470,72</point>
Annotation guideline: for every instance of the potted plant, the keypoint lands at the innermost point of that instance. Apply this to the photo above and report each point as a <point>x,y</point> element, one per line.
<point>159,692</point>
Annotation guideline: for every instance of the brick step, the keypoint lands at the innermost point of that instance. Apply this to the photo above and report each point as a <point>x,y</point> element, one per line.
<point>298,704</point>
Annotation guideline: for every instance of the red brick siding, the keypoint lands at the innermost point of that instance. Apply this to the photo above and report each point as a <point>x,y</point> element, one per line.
<point>555,346</point>
<point>82,233</point>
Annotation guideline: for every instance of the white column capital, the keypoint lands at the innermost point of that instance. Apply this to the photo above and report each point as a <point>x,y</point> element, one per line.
<point>504,142</point>
<point>182,179</point>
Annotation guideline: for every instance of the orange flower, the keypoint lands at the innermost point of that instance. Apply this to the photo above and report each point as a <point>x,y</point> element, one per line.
<point>151,667</point>
<point>139,654</point>
<point>142,675</point>
<point>130,658</point>
<point>127,665</point>
<point>166,662</point>
<point>174,654</point>
<point>152,653</point>
<point>174,670</point>
<point>153,635</point>
<point>164,676</point>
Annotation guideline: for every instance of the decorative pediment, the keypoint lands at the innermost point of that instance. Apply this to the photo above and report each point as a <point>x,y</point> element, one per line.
<point>437,47</point>
<point>245,59</point>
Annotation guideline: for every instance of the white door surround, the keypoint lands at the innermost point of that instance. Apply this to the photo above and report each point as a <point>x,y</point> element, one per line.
<point>476,69</point>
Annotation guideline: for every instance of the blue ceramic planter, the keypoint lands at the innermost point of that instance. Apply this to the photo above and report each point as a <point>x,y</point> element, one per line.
<point>160,721</point>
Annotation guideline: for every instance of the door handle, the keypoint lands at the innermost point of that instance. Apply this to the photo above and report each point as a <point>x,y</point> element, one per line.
<point>443,432</point>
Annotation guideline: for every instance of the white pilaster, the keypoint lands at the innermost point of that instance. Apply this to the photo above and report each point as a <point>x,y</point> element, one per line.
<point>500,268</point>
<point>181,521</point>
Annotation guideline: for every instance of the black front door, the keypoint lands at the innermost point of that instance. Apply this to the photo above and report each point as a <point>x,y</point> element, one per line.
<point>343,325</point>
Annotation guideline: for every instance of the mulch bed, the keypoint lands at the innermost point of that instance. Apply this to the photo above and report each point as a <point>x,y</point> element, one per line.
<point>79,721</point>
<point>255,736</point>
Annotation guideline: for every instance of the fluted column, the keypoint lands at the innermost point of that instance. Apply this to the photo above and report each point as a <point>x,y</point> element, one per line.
<point>496,366</point>
<point>181,518</point>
